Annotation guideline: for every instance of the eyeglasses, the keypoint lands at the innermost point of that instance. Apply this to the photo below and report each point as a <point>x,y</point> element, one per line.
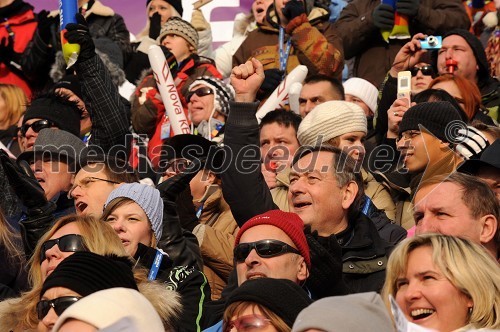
<point>426,71</point>
<point>36,126</point>
<point>408,135</point>
<point>200,92</point>
<point>66,243</point>
<point>59,304</point>
<point>264,248</point>
<point>249,323</point>
<point>178,165</point>
<point>86,182</point>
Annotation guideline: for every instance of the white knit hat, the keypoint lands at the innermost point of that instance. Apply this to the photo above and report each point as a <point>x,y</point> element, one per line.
<point>329,120</point>
<point>362,89</point>
<point>148,198</point>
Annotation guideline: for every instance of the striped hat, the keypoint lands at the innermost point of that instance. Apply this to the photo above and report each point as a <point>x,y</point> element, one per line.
<point>224,93</point>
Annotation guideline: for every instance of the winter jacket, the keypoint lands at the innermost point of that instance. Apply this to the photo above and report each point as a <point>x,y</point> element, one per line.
<point>13,279</point>
<point>103,22</point>
<point>8,137</point>
<point>314,43</point>
<point>363,41</point>
<point>248,195</point>
<point>188,282</point>
<point>216,233</point>
<point>18,22</point>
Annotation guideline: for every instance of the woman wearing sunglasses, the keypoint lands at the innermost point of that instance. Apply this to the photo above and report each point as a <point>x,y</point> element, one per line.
<point>69,235</point>
<point>266,304</point>
<point>179,38</point>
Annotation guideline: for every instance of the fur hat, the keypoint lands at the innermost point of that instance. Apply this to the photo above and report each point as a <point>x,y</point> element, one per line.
<point>177,26</point>
<point>329,120</point>
<point>433,116</point>
<point>354,313</point>
<point>281,296</point>
<point>55,108</point>
<point>177,4</point>
<point>223,93</point>
<point>114,309</point>
<point>148,198</point>
<point>288,222</point>
<point>86,273</point>
<point>362,89</point>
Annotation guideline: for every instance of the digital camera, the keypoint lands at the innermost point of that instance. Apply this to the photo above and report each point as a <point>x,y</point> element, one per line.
<point>432,43</point>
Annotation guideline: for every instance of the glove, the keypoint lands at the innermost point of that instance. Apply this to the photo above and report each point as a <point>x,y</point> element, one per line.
<point>45,24</point>
<point>293,9</point>
<point>171,60</point>
<point>154,26</point>
<point>407,7</point>
<point>198,21</point>
<point>383,17</point>
<point>24,183</point>
<point>470,143</point>
<point>273,78</point>
<point>78,33</point>
<point>6,50</point>
<point>325,278</point>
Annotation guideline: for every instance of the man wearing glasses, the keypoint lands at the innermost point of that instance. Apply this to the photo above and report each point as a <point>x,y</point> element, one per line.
<point>52,110</point>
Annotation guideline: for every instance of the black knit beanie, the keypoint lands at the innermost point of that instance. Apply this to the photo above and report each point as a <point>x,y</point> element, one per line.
<point>64,115</point>
<point>433,116</point>
<point>477,49</point>
<point>281,296</point>
<point>177,4</point>
<point>86,273</point>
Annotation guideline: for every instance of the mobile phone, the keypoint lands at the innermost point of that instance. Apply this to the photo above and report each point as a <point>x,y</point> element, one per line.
<point>404,86</point>
<point>200,3</point>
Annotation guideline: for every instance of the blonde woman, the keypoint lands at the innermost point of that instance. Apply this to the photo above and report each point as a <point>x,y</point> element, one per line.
<point>68,235</point>
<point>13,102</point>
<point>445,283</point>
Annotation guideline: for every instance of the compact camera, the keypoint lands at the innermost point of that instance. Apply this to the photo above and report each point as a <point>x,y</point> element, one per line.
<point>432,43</point>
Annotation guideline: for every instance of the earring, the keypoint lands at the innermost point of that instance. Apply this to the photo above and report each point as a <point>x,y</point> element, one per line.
<point>470,310</point>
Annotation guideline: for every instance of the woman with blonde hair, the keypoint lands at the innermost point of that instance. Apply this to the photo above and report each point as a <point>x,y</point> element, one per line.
<point>13,103</point>
<point>68,235</point>
<point>444,283</point>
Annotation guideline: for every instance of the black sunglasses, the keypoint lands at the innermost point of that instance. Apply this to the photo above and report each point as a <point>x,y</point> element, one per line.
<point>426,71</point>
<point>200,92</point>
<point>66,243</point>
<point>59,304</point>
<point>264,248</point>
<point>36,126</point>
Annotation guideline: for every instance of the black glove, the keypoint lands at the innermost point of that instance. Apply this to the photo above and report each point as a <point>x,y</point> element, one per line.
<point>24,183</point>
<point>407,7</point>
<point>171,60</point>
<point>383,17</point>
<point>45,25</point>
<point>293,9</point>
<point>154,26</point>
<point>273,78</point>
<point>325,278</point>
<point>78,33</point>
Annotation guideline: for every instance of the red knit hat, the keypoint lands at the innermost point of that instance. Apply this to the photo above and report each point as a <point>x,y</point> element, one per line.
<point>288,222</point>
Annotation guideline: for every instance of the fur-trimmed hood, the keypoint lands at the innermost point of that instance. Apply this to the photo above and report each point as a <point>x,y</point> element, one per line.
<point>166,302</point>
<point>58,69</point>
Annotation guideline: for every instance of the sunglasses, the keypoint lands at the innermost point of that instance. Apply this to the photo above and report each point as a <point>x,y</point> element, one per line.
<point>249,323</point>
<point>66,243</point>
<point>264,248</point>
<point>36,126</point>
<point>59,304</point>
<point>426,71</point>
<point>200,92</point>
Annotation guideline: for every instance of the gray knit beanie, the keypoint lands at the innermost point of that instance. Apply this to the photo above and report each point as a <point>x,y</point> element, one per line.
<point>223,92</point>
<point>148,198</point>
<point>329,120</point>
<point>177,26</point>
